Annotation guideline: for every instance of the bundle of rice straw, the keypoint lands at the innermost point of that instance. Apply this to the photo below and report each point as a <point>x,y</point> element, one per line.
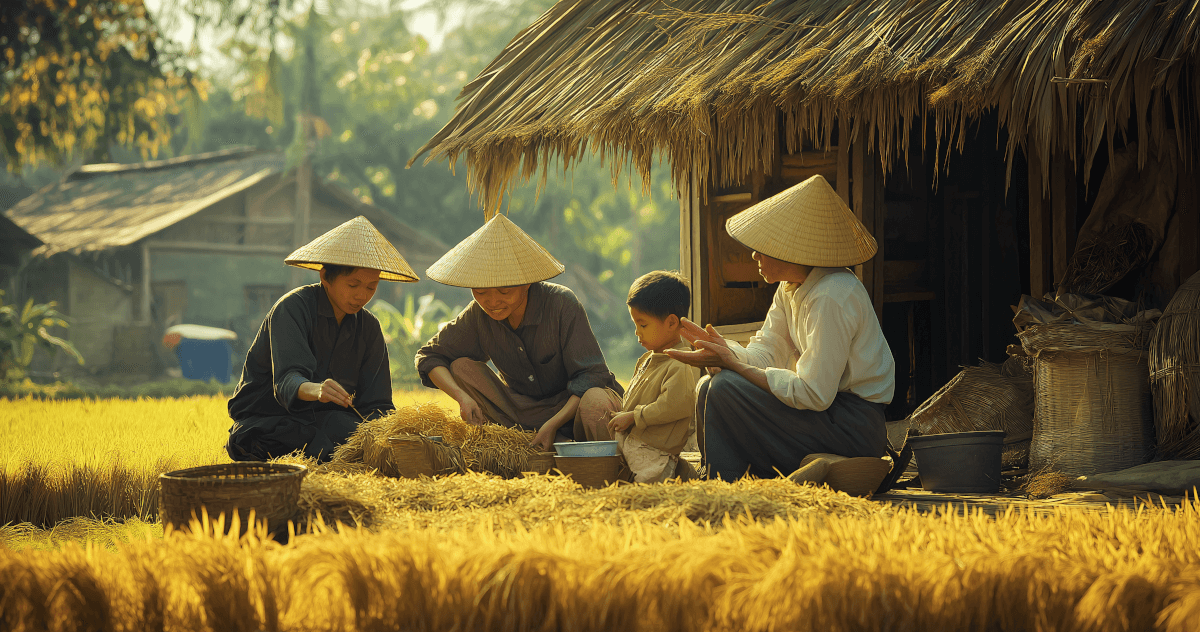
<point>1175,374</point>
<point>487,448</point>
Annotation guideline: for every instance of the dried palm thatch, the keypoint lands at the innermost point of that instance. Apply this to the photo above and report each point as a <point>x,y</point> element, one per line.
<point>1175,374</point>
<point>1098,264</point>
<point>1120,570</point>
<point>715,85</point>
<point>487,448</point>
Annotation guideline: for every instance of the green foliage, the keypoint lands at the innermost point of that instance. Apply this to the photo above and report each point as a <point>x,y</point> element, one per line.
<point>23,331</point>
<point>76,76</point>
<point>405,331</point>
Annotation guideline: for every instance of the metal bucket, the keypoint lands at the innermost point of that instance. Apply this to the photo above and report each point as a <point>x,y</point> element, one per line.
<point>959,461</point>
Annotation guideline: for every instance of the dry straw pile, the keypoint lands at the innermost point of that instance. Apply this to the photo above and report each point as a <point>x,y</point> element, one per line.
<point>486,448</point>
<point>879,570</point>
<point>352,495</point>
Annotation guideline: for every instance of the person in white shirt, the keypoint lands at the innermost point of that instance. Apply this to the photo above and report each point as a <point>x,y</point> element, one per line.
<point>817,376</point>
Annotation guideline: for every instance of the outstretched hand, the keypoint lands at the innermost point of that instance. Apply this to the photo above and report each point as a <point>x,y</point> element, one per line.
<point>710,348</point>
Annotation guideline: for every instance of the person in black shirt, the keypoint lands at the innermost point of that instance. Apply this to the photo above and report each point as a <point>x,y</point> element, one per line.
<point>319,366</point>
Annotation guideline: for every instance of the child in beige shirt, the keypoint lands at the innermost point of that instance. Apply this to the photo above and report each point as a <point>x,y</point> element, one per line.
<point>656,413</point>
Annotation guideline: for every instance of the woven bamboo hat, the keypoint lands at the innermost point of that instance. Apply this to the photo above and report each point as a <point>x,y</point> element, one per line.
<point>499,254</point>
<point>356,243</point>
<point>808,224</point>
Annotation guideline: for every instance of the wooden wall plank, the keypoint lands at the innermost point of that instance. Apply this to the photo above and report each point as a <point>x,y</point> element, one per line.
<point>1041,263</point>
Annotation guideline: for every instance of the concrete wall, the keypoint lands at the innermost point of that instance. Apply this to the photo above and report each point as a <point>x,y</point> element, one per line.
<point>96,306</point>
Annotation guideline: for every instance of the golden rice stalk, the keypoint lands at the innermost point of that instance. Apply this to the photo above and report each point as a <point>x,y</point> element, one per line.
<point>1069,570</point>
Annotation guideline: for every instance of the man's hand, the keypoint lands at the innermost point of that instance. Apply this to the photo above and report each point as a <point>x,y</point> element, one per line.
<point>327,391</point>
<point>544,439</point>
<point>620,423</point>
<point>711,349</point>
<point>470,411</point>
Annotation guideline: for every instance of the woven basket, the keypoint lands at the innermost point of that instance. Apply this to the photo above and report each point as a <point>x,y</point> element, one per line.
<point>985,397</point>
<point>1092,404</point>
<point>1175,374</point>
<point>590,471</point>
<point>540,463</point>
<point>270,490</point>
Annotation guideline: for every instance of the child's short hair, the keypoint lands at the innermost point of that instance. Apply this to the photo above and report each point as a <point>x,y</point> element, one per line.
<point>660,294</point>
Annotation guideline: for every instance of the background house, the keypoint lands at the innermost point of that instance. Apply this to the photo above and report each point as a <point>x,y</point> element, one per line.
<point>131,249</point>
<point>973,139</point>
<point>16,247</point>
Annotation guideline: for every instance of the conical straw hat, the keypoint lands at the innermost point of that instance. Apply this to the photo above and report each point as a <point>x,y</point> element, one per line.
<point>356,243</point>
<point>499,254</point>
<point>808,224</point>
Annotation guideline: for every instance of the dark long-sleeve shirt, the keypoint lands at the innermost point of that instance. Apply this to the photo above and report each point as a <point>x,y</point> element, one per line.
<point>301,341</point>
<point>553,350</point>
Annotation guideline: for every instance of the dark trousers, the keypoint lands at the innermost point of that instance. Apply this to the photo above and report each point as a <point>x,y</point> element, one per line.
<point>317,433</point>
<point>748,430</point>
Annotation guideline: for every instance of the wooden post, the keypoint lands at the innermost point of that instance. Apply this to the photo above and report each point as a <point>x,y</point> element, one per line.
<point>302,211</point>
<point>843,162</point>
<point>1063,204</point>
<point>857,158</point>
<point>879,215</point>
<point>146,271</point>
<point>1041,271</point>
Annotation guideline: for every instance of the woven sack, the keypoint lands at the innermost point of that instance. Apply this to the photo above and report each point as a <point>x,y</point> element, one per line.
<point>1175,374</point>
<point>270,490</point>
<point>1092,396</point>
<point>985,397</point>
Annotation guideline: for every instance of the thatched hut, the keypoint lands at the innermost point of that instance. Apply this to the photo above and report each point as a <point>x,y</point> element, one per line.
<point>971,137</point>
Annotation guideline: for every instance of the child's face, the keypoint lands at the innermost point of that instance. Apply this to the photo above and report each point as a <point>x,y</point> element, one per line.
<point>654,333</point>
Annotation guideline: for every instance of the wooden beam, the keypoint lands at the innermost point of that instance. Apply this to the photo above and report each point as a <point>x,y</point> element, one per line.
<point>252,221</point>
<point>1064,201</point>
<point>144,317</point>
<point>1041,270</point>
<point>215,248</point>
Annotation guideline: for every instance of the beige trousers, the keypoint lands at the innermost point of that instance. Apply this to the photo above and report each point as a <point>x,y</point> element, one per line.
<point>504,406</point>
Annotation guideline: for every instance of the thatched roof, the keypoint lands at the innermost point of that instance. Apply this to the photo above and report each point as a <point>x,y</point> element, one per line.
<point>701,80</point>
<point>105,206</point>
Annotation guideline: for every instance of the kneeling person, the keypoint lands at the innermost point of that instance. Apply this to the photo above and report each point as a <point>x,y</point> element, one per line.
<point>656,415</point>
<point>553,377</point>
<point>319,360</point>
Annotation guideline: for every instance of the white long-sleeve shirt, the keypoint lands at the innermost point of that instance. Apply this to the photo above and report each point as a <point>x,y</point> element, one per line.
<point>821,338</point>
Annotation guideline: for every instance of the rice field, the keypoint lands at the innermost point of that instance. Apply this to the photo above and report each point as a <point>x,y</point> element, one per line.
<point>480,552</point>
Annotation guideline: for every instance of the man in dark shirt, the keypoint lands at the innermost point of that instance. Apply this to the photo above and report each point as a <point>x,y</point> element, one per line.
<point>535,333</point>
<point>318,365</point>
